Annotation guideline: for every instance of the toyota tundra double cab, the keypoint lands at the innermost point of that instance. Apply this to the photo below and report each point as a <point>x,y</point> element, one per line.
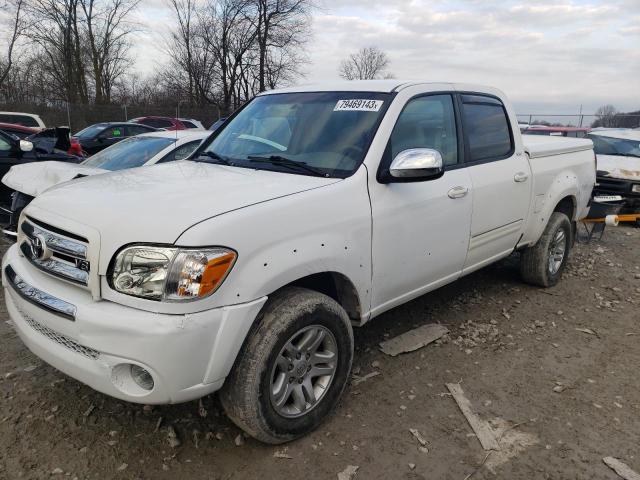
<point>310,211</point>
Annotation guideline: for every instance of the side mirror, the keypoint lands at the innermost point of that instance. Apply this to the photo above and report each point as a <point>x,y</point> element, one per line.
<point>25,146</point>
<point>417,164</point>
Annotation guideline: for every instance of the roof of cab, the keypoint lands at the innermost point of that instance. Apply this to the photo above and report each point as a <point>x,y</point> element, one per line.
<point>380,86</point>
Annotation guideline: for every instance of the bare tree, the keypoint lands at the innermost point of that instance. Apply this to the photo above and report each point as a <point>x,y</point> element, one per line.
<point>369,63</point>
<point>606,116</point>
<point>15,27</point>
<point>280,24</point>
<point>106,28</point>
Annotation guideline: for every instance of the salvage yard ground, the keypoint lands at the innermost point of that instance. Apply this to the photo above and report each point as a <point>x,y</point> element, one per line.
<point>553,372</point>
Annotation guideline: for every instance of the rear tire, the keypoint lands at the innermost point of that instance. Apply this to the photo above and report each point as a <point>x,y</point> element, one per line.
<point>271,392</point>
<point>543,263</point>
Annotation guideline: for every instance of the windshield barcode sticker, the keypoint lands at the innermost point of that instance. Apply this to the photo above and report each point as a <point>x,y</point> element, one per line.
<point>358,105</point>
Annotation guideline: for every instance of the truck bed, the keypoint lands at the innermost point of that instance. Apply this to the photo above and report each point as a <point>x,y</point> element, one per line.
<point>544,146</point>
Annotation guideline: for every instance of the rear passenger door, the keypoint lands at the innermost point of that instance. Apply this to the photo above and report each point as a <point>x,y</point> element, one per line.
<point>500,176</point>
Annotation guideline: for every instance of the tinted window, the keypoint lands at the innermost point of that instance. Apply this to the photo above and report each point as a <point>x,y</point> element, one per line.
<point>19,119</point>
<point>188,124</point>
<point>114,132</point>
<point>130,153</point>
<point>487,130</point>
<point>427,122</point>
<point>137,129</point>
<point>181,152</point>
<point>156,122</point>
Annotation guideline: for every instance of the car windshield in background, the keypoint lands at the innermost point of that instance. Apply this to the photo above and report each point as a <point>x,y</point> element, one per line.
<point>615,146</point>
<point>130,153</point>
<point>319,133</point>
<point>91,131</point>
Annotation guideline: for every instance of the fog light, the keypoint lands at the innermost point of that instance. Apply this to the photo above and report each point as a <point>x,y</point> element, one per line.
<point>141,377</point>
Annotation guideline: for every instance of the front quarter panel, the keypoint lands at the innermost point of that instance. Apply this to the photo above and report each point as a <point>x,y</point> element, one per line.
<point>326,229</point>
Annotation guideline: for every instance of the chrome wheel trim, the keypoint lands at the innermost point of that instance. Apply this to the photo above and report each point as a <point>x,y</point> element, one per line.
<point>303,371</point>
<point>557,251</point>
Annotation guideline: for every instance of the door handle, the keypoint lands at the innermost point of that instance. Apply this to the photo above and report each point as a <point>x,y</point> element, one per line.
<point>458,192</point>
<point>520,177</point>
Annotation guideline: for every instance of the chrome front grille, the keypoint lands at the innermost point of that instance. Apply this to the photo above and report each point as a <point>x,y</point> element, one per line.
<point>61,339</point>
<point>56,252</point>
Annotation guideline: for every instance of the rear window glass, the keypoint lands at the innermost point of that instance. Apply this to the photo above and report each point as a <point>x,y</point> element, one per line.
<point>23,120</point>
<point>156,122</point>
<point>130,153</point>
<point>487,129</point>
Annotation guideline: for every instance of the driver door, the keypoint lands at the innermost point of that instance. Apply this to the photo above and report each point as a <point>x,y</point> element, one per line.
<point>420,229</point>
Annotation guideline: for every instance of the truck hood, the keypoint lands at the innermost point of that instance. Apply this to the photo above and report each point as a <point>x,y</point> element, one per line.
<point>34,178</point>
<point>616,166</point>
<point>157,203</point>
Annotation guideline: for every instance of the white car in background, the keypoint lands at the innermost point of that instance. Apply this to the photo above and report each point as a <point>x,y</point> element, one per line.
<point>31,179</point>
<point>24,119</point>
<point>618,153</point>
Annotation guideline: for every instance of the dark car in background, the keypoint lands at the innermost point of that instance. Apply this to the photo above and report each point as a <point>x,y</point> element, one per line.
<point>50,144</point>
<point>168,123</point>
<point>99,136</point>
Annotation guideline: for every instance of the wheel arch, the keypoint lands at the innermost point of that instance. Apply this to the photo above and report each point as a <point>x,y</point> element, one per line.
<point>336,286</point>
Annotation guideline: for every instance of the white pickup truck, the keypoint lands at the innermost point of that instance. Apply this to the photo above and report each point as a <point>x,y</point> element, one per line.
<point>314,209</point>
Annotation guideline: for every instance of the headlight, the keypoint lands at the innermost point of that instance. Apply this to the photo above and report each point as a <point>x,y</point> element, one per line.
<point>170,274</point>
<point>635,188</point>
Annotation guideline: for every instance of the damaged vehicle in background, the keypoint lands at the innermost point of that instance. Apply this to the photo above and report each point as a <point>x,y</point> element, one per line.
<point>618,153</point>
<point>28,181</point>
<point>49,144</point>
<point>312,210</point>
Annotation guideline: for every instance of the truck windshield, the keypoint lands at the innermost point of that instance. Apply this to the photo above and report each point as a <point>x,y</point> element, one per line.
<point>130,153</point>
<point>615,146</point>
<point>317,133</point>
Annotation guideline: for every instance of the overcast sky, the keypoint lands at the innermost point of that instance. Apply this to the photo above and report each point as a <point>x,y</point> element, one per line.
<point>548,56</point>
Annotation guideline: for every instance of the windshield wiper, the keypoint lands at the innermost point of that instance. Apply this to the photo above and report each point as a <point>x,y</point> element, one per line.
<point>287,162</point>
<point>212,157</point>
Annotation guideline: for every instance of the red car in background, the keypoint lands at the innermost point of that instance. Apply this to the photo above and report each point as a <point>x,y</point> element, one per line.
<point>168,123</point>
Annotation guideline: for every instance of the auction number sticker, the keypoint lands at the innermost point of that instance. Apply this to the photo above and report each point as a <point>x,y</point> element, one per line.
<point>358,105</point>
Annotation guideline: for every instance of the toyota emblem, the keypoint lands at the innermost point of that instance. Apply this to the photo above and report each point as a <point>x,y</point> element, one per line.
<point>39,248</point>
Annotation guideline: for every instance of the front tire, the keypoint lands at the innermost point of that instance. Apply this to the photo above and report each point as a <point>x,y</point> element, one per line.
<point>293,367</point>
<point>543,263</point>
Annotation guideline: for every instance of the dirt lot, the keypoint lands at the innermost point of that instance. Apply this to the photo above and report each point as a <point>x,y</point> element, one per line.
<point>560,399</point>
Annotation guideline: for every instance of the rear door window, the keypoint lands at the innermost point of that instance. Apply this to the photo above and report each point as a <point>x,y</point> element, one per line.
<point>157,122</point>
<point>137,130</point>
<point>487,129</point>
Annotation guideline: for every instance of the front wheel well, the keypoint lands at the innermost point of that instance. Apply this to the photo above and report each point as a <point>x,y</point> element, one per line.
<point>336,286</point>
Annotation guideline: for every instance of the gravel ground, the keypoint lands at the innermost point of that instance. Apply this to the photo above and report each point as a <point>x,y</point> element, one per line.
<point>559,398</point>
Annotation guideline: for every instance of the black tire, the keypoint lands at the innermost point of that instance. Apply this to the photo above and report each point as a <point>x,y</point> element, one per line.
<point>246,394</point>
<point>535,261</point>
